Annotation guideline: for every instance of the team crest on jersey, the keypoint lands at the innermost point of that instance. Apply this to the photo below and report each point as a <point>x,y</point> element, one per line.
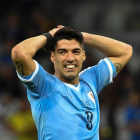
<point>90,95</point>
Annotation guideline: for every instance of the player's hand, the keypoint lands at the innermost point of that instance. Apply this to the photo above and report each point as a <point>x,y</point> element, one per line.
<point>84,36</point>
<point>54,30</point>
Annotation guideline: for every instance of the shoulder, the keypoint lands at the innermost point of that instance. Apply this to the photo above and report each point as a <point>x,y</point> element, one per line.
<point>103,66</point>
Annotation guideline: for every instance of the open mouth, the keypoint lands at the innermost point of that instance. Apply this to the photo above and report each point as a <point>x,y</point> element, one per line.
<point>70,66</point>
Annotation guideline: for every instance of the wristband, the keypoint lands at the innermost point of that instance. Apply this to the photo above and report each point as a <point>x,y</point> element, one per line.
<point>48,46</point>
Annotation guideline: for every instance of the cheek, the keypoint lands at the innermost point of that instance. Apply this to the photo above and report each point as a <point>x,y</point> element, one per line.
<point>57,62</point>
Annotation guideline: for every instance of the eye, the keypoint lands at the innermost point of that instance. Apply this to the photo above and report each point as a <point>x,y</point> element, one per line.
<point>76,52</point>
<point>61,51</point>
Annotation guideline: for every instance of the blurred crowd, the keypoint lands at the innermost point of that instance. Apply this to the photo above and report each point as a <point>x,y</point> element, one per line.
<point>118,19</point>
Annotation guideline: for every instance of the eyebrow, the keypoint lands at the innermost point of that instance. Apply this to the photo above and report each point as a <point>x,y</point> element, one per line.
<point>76,49</point>
<point>61,50</point>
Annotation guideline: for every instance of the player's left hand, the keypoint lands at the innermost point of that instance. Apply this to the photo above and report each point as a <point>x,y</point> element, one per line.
<point>54,30</point>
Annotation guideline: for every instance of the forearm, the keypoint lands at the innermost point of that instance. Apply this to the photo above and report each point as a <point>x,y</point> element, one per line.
<point>118,52</point>
<point>22,53</point>
<point>29,46</point>
<point>108,46</point>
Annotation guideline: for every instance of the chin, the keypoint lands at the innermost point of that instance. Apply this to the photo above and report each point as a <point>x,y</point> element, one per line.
<point>70,77</point>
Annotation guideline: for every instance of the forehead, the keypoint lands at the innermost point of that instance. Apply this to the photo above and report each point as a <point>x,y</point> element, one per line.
<point>68,44</point>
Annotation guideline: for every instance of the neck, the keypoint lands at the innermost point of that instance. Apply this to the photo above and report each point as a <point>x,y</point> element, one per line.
<point>73,81</point>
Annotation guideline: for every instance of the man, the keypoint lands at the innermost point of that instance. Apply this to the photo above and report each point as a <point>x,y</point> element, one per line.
<point>65,105</point>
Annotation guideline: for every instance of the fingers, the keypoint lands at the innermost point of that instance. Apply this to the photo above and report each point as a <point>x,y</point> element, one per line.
<point>54,30</point>
<point>60,26</point>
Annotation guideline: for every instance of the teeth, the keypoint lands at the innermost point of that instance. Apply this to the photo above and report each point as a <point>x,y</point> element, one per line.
<point>70,66</point>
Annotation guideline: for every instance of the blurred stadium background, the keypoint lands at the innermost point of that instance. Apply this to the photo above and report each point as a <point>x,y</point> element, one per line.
<point>118,19</point>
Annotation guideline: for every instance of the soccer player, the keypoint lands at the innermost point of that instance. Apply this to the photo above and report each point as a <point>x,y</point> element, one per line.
<point>65,105</point>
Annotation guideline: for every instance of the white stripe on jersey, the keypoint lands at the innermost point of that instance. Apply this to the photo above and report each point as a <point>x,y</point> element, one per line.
<point>109,66</point>
<point>110,69</point>
<point>72,86</point>
<point>34,74</point>
<point>84,70</point>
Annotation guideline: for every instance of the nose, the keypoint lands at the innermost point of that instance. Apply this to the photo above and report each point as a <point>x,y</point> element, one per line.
<point>70,57</point>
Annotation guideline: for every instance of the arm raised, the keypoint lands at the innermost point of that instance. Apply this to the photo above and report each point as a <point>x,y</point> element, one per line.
<point>118,52</point>
<point>23,53</point>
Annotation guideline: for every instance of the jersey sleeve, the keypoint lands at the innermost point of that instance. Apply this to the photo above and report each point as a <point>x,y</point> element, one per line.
<point>40,83</point>
<point>100,75</point>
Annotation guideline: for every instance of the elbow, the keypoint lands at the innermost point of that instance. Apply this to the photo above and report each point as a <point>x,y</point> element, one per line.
<point>17,53</point>
<point>129,51</point>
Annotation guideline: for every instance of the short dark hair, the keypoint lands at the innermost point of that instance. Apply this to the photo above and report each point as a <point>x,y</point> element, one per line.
<point>67,33</point>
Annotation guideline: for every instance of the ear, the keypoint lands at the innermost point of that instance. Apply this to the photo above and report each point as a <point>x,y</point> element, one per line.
<point>52,57</point>
<point>84,56</point>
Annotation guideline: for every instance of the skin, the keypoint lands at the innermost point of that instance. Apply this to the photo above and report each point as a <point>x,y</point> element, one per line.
<point>22,54</point>
<point>118,52</point>
<point>68,52</point>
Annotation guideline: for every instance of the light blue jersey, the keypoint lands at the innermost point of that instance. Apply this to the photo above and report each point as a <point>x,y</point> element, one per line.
<point>64,112</point>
